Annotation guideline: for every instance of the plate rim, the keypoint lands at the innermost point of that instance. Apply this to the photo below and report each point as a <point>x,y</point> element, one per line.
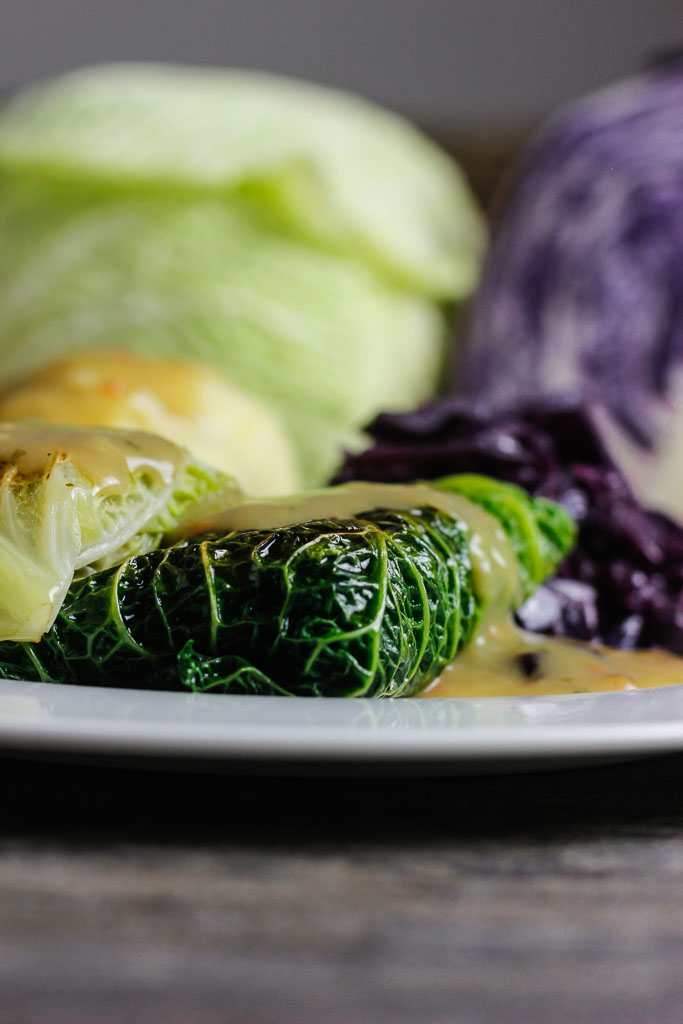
<point>349,740</point>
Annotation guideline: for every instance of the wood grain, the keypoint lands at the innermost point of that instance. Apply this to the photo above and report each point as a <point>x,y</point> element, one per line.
<point>142,896</point>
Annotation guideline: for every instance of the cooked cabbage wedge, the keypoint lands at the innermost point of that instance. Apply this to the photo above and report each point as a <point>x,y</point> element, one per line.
<point>360,590</point>
<point>74,501</point>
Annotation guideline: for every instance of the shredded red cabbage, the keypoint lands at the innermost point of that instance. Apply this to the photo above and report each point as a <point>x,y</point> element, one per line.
<point>623,583</point>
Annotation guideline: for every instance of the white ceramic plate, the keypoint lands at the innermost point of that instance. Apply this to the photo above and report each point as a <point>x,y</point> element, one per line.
<point>407,736</point>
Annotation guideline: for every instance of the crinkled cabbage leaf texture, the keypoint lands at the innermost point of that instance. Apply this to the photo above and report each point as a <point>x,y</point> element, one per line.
<point>73,501</point>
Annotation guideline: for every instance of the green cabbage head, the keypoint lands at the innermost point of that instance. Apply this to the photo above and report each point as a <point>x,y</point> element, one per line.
<point>308,243</point>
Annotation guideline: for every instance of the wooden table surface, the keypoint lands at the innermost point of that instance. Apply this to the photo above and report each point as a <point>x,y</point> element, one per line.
<point>140,896</point>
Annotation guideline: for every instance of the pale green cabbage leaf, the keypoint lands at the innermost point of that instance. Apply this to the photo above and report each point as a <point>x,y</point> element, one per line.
<point>304,241</point>
<point>59,520</point>
<point>331,164</point>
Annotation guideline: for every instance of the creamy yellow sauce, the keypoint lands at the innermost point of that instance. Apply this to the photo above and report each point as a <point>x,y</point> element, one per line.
<point>504,661</point>
<point>188,403</point>
<point>501,660</point>
<point>107,459</point>
<point>495,569</point>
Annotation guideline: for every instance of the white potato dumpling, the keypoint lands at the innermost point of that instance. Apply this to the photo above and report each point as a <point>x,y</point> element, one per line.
<point>189,403</point>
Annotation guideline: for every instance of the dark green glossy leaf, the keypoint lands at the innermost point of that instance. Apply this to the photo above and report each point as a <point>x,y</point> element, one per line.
<point>371,606</point>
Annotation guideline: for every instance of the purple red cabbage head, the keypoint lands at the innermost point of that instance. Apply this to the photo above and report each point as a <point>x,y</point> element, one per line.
<point>583,285</point>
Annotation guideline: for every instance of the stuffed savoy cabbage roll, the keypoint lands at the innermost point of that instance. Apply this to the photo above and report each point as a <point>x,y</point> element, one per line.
<point>358,590</point>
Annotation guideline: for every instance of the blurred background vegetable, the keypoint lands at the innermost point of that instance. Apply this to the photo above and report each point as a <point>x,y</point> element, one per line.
<point>583,287</point>
<point>305,242</point>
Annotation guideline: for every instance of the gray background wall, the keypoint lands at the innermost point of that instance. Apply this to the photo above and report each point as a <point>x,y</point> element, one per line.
<point>455,61</point>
